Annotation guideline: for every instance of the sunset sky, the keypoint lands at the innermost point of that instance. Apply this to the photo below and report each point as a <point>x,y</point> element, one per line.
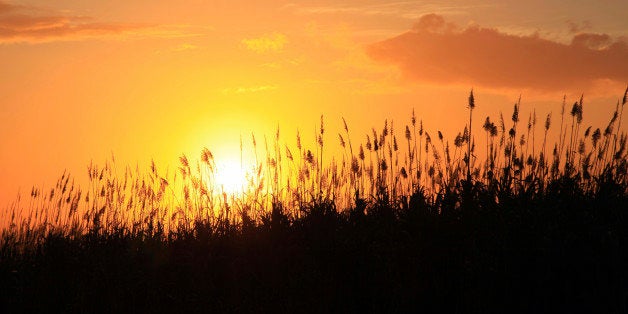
<point>82,80</point>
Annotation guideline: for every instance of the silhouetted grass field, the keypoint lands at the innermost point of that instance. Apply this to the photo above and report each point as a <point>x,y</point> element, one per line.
<point>499,220</point>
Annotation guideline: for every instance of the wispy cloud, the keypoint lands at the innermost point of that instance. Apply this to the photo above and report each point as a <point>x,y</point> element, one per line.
<point>438,51</point>
<point>7,7</point>
<point>250,89</point>
<point>400,9</point>
<point>184,47</point>
<point>33,25</point>
<point>274,42</point>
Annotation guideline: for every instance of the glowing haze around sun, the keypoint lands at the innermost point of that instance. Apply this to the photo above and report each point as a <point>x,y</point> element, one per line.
<point>141,80</point>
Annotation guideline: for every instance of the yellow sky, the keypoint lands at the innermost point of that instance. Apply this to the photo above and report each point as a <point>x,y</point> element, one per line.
<point>154,79</point>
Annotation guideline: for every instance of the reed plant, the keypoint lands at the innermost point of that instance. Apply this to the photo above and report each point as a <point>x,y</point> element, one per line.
<point>382,188</point>
<point>380,171</point>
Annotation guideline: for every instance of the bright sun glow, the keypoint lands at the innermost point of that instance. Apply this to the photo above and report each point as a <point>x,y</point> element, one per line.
<point>230,177</point>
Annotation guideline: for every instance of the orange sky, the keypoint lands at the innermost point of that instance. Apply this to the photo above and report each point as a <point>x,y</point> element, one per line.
<point>153,79</point>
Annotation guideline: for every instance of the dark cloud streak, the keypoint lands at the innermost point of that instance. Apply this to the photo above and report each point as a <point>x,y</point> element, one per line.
<point>19,24</point>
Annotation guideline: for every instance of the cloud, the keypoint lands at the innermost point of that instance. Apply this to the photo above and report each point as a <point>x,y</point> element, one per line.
<point>184,47</point>
<point>24,24</point>
<point>274,42</point>
<point>395,9</point>
<point>7,7</point>
<point>437,51</point>
<point>575,27</point>
<point>246,90</point>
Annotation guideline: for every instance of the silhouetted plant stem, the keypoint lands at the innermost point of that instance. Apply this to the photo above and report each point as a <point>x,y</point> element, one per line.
<point>469,139</point>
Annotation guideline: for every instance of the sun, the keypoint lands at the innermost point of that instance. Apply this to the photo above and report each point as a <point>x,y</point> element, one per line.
<point>230,177</point>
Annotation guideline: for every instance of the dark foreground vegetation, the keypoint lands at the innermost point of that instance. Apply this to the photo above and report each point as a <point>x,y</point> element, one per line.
<point>563,252</point>
<point>518,232</point>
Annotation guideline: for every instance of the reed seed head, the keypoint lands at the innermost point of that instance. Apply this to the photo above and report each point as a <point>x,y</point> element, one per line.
<point>471,100</point>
